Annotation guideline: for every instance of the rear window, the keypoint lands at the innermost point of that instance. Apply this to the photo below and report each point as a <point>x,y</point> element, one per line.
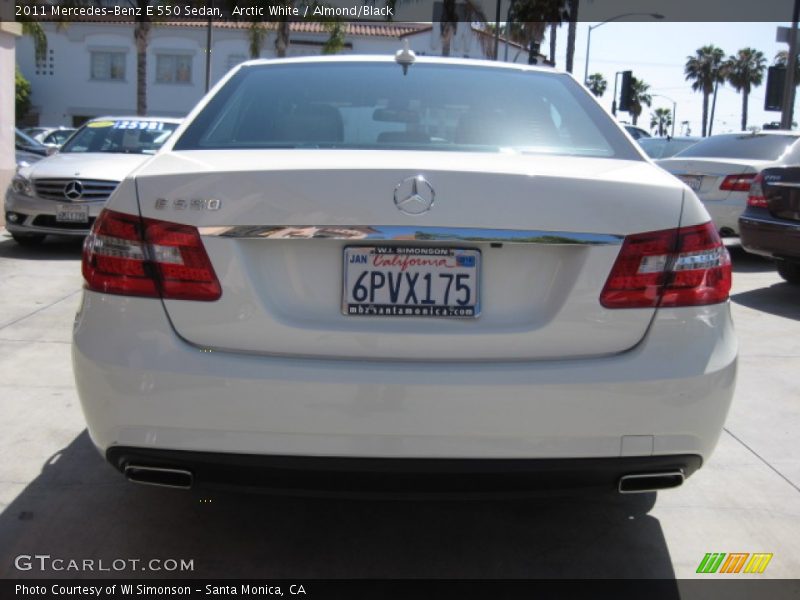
<point>663,148</point>
<point>758,147</point>
<point>126,136</point>
<point>353,105</point>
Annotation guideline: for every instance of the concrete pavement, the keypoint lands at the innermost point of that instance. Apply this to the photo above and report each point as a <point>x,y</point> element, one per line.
<point>58,497</point>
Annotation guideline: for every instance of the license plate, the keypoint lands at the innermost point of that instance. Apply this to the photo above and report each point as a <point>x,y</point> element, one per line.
<point>693,181</point>
<point>72,214</point>
<point>411,281</point>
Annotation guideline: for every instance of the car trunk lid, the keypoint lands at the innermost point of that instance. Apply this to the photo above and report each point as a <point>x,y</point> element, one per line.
<point>782,192</point>
<point>276,224</point>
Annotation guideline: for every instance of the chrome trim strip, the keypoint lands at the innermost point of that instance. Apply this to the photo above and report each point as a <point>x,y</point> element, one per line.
<point>403,233</point>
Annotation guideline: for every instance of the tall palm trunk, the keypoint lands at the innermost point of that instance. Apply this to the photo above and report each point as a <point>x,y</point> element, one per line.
<point>553,33</point>
<point>447,38</point>
<point>705,112</point>
<point>141,33</point>
<point>571,33</point>
<point>745,94</point>
<point>282,39</point>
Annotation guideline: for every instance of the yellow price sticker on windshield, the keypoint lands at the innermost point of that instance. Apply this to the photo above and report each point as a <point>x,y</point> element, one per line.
<point>98,124</point>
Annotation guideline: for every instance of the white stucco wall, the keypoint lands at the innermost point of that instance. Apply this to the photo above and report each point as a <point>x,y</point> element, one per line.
<point>8,34</point>
<point>70,91</point>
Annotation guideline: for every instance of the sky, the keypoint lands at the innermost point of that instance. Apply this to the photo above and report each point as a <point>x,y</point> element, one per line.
<point>656,52</point>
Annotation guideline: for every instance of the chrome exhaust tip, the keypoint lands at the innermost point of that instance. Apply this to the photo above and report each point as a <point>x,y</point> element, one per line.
<point>159,476</point>
<point>650,482</point>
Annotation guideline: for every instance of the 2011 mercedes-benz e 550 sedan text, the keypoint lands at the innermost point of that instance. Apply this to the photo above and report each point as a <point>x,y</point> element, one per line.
<point>349,273</point>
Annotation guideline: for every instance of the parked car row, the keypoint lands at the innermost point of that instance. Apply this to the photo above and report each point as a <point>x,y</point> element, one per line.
<point>749,182</point>
<point>63,193</point>
<point>52,137</point>
<point>28,150</point>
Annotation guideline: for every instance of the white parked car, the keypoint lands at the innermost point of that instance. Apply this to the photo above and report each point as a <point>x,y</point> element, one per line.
<point>63,193</point>
<point>377,274</point>
<point>720,169</point>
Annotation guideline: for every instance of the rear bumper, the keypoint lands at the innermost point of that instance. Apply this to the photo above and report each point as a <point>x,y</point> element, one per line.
<point>142,387</point>
<point>397,475</point>
<point>761,233</point>
<point>39,216</point>
<point>725,213</point>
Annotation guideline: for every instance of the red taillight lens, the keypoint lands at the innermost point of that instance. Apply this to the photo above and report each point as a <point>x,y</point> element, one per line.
<point>674,267</point>
<point>737,183</point>
<point>756,196</point>
<point>145,257</point>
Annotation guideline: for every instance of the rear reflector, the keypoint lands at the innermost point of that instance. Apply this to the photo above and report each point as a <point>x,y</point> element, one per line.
<point>674,267</point>
<point>737,183</point>
<point>756,197</point>
<point>127,255</point>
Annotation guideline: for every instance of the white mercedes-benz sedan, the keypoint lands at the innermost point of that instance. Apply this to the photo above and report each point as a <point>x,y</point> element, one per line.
<point>361,273</point>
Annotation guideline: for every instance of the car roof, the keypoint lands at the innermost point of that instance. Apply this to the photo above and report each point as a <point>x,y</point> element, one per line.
<point>756,133</point>
<point>388,58</point>
<point>136,118</point>
<point>676,138</point>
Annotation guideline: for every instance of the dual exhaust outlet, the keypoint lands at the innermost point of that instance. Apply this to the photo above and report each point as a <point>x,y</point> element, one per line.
<point>183,479</point>
<point>176,478</point>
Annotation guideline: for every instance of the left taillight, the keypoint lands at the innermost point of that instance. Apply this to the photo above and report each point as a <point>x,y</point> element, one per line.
<point>737,183</point>
<point>127,255</point>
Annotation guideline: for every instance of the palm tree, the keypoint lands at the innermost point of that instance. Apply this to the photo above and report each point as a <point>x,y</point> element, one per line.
<point>597,84</point>
<point>552,36</point>
<point>661,119</point>
<point>704,71</point>
<point>141,33</point>
<point>335,43</point>
<point>451,11</point>
<point>745,71</point>
<point>640,97</point>
<point>537,14</point>
<point>256,33</point>
<point>571,32</point>
<point>35,30</point>
<point>782,60</point>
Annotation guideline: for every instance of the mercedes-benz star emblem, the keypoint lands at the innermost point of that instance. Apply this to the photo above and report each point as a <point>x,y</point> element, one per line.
<point>414,195</point>
<point>73,190</point>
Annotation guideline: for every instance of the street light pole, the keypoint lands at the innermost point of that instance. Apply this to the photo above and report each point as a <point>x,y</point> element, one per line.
<point>616,18</point>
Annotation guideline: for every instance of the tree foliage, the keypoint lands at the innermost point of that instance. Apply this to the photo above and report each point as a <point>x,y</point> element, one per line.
<point>744,71</point>
<point>661,120</point>
<point>22,95</point>
<point>597,84</point>
<point>705,69</point>
<point>641,97</point>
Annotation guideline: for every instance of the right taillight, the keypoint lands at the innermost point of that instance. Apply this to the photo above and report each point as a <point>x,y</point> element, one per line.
<point>674,267</point>
<point>755,197</point>
<point>127,255</point>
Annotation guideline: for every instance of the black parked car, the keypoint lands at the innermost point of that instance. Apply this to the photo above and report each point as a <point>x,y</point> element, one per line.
<point>770,225</point>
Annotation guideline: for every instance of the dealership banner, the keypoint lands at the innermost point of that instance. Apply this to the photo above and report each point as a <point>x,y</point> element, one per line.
<point>395,10</point>
<point>416,589</point>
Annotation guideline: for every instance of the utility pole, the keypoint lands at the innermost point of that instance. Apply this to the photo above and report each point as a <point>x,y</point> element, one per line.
<point>208,51</point>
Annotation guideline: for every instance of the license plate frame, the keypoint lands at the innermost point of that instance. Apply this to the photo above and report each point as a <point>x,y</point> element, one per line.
<point>695,182</point>
<point>464,262</point>
<point>72,213</point>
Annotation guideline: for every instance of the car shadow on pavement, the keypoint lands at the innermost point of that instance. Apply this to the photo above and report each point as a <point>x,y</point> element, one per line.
<point>79,507</point>
<point>744,262</point>
<point>52,248</point>
<point>781,299</point>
